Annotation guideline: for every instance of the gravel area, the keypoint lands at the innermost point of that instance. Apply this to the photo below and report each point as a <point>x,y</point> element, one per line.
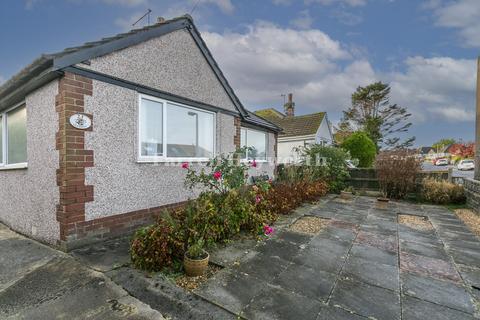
<point>310,225</point>
<point>415,222</point>
<point>471,219</point>
<point>192,283</point>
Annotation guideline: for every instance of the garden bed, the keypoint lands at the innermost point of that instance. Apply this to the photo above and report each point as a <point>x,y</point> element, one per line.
<point>415,222</point>
<point>192,283</point>
<point>471,219</point>
<point>309,225</point>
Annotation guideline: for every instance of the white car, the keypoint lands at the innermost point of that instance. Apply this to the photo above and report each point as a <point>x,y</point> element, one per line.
<point>441,162</point>
<point>466,165</point>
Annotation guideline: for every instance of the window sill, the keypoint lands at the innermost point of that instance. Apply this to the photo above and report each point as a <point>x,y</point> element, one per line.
<point>17,166</point>
<point>173,161</point>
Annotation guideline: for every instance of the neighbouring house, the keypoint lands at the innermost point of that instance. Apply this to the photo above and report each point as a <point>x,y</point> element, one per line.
<point>426,153</point>
<point>297,131</point>
<point>92,137</point>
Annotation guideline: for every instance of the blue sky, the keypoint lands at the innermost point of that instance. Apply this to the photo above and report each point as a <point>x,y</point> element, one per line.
<point>320,50</point>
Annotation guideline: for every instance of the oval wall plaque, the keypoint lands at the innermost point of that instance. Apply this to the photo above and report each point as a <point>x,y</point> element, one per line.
<point>80,121</point>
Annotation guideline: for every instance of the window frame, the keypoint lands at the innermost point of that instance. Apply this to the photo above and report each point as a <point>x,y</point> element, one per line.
<point>164,157</point>
<point>4,165</point>
<point>246,140</point>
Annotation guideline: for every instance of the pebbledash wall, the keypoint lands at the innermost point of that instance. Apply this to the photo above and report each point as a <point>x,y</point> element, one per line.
<point>82,186</point>
<point>29,197</point>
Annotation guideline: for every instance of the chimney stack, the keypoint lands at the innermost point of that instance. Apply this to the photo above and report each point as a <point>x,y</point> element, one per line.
<point>289,107</point>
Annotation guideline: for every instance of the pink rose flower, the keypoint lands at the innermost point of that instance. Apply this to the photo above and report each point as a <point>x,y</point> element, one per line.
<point>254,164</point>
<point>268,230</point>
<point>185,165</point>
<point>258,199</point>
<point>217,175</point>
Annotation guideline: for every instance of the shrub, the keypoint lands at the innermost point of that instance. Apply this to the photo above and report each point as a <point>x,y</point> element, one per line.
<point>154,247</point>
<point>397,172</point>
<point>328,164</point>
<point>361,147</point>
<point>442,192</point>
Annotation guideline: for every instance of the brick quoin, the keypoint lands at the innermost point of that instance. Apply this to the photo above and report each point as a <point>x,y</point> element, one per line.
<point>236,137</point>
<point>74,159</point>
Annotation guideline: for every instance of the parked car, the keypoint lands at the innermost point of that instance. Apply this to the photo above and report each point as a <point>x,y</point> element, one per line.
<point>350,164</point>
<point>441,162</point>
<point>466,164</point>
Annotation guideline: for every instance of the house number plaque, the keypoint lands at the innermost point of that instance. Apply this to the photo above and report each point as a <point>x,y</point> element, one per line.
<point>80,121</point>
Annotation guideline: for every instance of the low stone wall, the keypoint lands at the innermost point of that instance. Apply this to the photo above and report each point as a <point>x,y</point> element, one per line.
<point>472,191</point>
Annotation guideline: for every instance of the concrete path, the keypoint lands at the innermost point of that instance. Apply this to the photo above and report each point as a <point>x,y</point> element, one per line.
<point>37,282</point>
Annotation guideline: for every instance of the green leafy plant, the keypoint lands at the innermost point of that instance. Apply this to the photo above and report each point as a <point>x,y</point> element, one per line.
<point>361,147</point>
<point>442,192</point>
<point>196,251</point>
<point>222,173</point>
<point>329,164</point>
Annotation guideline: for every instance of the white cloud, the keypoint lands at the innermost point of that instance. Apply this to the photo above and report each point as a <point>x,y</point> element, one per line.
<point>266,61</point>
<point>225,5</point>
<point>463,15</point>
<point>352,3</point>
<point>129,3</point>
<point>431,86</point>
<point>303,20</point>
<point>2,80</point>
<point>454,114</point>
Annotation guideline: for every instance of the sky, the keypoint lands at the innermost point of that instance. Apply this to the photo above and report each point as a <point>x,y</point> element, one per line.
<point>319,50</point>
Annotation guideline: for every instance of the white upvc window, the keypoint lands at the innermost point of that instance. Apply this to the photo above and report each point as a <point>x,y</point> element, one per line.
<point>13,137</point>
<point>169,131</point>
<point>256,143</point>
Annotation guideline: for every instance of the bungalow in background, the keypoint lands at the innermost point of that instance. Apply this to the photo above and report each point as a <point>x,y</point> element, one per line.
<point>426,153</point>
<point>297,131</point>
<point>88,135</point>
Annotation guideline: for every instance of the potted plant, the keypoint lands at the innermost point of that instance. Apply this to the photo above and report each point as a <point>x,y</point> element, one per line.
<point>347,193</point>
<point>196,259</point>
<point>383,197</point>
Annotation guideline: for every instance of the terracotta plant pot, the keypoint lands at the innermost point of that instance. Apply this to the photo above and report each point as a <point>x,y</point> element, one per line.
<point>195,267</point>
<point>383,199</point>
<point>346,195</point>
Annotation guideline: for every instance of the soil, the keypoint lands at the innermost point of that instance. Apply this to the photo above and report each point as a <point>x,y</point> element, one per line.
<point>309,225</point>
<point>415,222</point>
<point>192,283</point>
<point>471,219</point>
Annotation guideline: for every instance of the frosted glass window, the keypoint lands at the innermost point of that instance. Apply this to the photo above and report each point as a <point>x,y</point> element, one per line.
<point>17,136</point>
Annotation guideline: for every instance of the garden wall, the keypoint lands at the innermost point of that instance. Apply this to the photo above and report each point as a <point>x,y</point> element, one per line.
<point>472,190</point>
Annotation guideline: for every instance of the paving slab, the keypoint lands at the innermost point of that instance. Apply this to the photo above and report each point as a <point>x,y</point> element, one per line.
<point>232,291</point>
<point>445,293</point>
<point>278,249</point>
<point>366,300</point>
<point>440,269</point>
<point>436,251</point>
<point>321,259</point>
<point>335,233</point>
<point>277,303</point>
<point>305,281</point>
<point>381,275</point>
<point>376,240</point>
<point>293,237</point>
<point>373,254</point>
<point>105,256</point>
<point>416,309</point>
<point>336,313</point>
<point>262,267</point>
<point>232,253</point>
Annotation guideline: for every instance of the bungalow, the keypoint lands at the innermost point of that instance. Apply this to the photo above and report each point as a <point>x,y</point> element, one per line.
<point>91,137</point>
<point>297,131</point>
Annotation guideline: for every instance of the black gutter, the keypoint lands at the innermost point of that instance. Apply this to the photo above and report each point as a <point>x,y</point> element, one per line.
<point>146,90</point>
